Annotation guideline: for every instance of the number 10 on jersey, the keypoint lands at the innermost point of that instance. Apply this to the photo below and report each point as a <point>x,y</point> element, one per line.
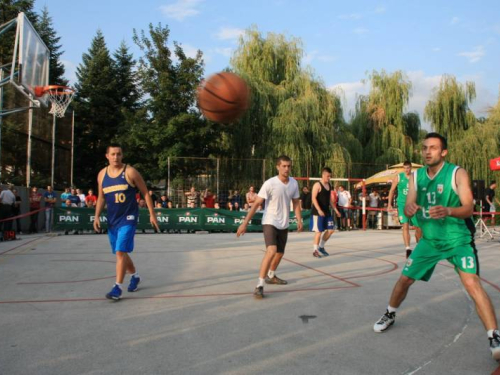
<point>119,197</point>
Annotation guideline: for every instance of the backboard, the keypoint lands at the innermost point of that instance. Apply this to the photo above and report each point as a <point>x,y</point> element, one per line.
<point>30,63</point>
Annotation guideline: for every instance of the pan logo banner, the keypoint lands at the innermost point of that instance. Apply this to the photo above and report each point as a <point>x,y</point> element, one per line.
<point>171,219</point>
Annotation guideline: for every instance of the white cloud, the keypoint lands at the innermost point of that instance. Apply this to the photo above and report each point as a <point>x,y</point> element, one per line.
<point>69,71</point>
<point>380,9</point>
<point>327,58</point>
<point>360,31</point>
<point>454,21</point>
<point>189,50</point>
<point>475,55</point>
<point>181,9</point>
<point>352,16</point>
<point>309,57</point>
<point>436,49</point>
<point>315,55</point>
<point>422,90</point>
<point>227,52</point>
<point>229,33</point>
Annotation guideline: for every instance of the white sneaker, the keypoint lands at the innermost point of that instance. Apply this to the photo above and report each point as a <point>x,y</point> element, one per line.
<point>385,322</point>
<point>495,346</point>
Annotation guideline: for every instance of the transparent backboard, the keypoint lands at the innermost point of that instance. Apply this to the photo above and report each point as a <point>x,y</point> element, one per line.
<point>33,57</point>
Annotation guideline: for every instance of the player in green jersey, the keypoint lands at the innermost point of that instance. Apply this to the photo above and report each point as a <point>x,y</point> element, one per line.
<point>440,198</point>
<point>400,182</point>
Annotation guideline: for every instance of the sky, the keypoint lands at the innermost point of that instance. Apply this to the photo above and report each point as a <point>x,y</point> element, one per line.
<point>342,40</point>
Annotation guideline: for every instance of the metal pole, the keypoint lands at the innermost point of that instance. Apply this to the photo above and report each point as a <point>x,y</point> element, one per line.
<point>28,158</point>
<point>53,150</point>
<point>217,176</point>
<point>72,146</point>
<point>1,121</point>
<point>168,179</point>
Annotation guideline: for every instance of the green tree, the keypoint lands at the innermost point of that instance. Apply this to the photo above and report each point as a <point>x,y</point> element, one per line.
<point>49,35</point>
<point>129,92</point>
<point>291,110</point>
<point>448,110</point>
<point>171,125</point>
<point>98,110</point>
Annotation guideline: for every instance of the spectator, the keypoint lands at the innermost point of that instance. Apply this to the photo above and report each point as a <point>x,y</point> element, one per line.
<point>344,199</point>
<point>208,199</point>
<point>229,206</point>
<point>251,196</point>
<point>50,202</point>
<point>223,198</point>
<point>170,204</point>
<point>305,198</point>
<point>192,197</point>
<point>16,211</point>
<point>35,199</point>
<point>384,197</point>
<point>153,196</point>
<point>65,196</point>
<point>236,206</point>
<point>164,201</point>
<point>236,198</point>
<point>374,200</point>
<point>82,197</point>
<point>217,205</point>
<point>158,205</point>
<point>70,203</point>
<point>7,201</point>
<point>246,207</point>
<point>142,203</point>
<point>74,198</point>
<point>489,202</point>
<point>203,205</point>
<point>90,199</point>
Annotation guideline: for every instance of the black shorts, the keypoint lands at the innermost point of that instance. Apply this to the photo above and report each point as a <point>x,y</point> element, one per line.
<point>275,237</point>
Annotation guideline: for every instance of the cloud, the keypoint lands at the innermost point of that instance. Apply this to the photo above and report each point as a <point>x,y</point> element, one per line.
<point>475,55</point>
<point>69,71</point>
<point>380,9</point>
<point>436,49</point>
<point>360,31</point>
<point>454,21</point>
<point>315,55</point>
<point>352,16</point>
<point>227,52</point>
<point>422,90</point>
<point>229,33</point>
<point>189,50</point>
<point>181,9</point>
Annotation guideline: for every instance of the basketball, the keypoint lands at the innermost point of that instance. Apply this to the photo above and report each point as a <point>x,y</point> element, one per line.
<point>223,97</point>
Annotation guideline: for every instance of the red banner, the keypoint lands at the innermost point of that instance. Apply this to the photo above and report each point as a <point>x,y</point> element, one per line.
<point>495,164</point>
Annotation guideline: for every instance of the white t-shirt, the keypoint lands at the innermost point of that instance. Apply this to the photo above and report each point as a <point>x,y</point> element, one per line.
<point>278,197</point>
<point>374,200</point>
<point>7,197</point>
<point>82,200</point>
<point>344,198</point>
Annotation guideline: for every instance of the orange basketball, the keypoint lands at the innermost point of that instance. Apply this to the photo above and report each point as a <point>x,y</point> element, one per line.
<point>223,97</point>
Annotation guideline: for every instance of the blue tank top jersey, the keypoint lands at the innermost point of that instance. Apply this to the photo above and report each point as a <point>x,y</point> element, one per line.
<point>120,198</point>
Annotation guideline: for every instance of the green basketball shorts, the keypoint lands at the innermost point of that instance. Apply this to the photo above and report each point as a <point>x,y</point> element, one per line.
<point>423,259</point>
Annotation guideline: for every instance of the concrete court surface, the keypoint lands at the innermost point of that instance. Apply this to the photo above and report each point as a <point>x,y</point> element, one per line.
<point>195,314</point>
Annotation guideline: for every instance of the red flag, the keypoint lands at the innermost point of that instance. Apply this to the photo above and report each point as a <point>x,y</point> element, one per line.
<point>495,164</point>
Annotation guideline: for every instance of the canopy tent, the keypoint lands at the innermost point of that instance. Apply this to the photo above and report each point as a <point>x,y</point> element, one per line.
<point>384,177</point>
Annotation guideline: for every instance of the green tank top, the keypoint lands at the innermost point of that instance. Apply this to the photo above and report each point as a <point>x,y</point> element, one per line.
<point>402,188</point>
<point>449,232</point>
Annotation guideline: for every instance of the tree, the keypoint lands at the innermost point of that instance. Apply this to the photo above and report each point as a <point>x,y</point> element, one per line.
<point>129,92</point>
<point>49,35</point>
<point>98,109</point>
<point>448,110</point>
<point>171,125</point>
<point>291,111</point>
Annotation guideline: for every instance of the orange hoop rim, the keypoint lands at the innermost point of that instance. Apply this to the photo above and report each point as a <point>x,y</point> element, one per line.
<point>56,89</point>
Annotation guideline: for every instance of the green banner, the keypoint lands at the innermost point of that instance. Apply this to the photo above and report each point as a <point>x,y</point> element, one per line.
<point>68,219</point>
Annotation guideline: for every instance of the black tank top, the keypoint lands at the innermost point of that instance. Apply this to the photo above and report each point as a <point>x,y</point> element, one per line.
<point>323,199</point>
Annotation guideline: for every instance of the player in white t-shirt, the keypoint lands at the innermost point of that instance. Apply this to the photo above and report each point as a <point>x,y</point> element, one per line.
<point>277,192</point>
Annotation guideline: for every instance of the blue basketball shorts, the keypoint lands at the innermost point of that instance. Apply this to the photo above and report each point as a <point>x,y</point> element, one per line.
<point>321,223</point>
<point>122,238</point>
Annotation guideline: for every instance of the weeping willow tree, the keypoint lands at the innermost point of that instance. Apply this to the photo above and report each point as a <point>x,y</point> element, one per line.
<point>291,112</point>
<point>448,110</point>
<point>379,121</point>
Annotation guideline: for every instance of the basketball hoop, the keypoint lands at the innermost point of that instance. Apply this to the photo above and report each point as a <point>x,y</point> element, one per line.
<point>59,96</point>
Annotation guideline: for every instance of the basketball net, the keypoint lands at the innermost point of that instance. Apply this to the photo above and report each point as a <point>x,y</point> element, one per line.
<point>59,96</point>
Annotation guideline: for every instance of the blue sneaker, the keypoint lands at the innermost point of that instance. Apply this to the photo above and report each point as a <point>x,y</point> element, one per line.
<point>323,251</point>
<point>134,284</point>
<point>115,294</point>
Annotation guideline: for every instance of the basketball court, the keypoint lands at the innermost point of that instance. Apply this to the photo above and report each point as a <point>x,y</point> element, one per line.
<point>195,314</point>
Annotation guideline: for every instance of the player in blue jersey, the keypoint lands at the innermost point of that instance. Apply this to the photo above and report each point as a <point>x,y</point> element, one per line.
<point>118,184</point>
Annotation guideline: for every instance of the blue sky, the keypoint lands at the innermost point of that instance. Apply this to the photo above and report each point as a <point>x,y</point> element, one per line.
<point>342,40</point>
